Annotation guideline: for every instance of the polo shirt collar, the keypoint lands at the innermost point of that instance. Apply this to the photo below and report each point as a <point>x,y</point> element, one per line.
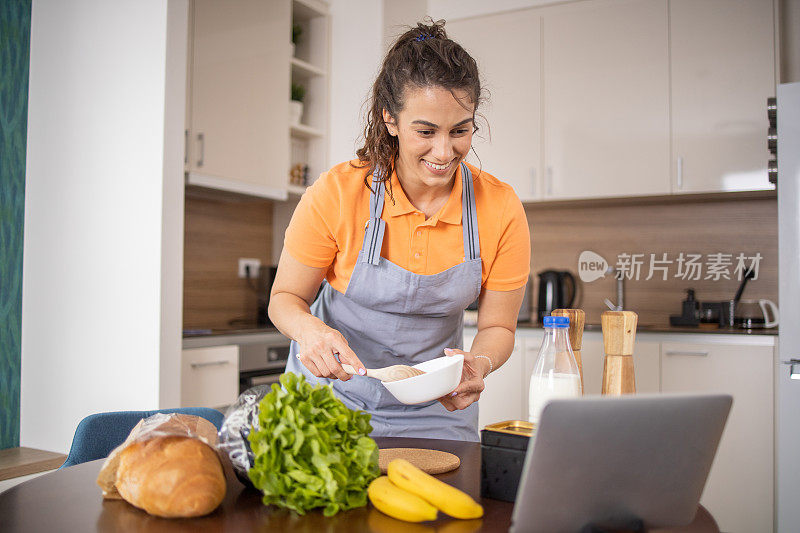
<point>450,213</point>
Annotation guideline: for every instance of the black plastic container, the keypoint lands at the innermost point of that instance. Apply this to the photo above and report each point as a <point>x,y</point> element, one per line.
<point>503,449</point>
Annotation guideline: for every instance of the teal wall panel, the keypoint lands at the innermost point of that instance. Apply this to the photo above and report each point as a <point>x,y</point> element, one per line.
<point>15,34</point>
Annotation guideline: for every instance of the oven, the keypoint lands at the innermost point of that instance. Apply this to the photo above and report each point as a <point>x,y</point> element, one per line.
<point>262,362</point>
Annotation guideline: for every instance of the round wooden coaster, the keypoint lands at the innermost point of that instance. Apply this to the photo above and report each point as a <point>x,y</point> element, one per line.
<point>430,461</point>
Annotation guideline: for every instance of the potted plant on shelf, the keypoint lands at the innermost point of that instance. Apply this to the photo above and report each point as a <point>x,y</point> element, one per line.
<point>297,31</point>
<point>296,103</point>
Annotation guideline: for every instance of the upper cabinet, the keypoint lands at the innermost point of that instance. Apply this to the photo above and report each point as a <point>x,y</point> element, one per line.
<point>243,68</point>
<point>508,143</point>
<point>723,71</point>
<point>625,98</point>
<point>606,99</point>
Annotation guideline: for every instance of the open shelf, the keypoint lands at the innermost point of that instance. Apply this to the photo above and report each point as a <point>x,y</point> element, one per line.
<point>304,69</point>
<point>308,9</point>
<point>296,190</point>
<point>306,132</point>
<point>309,67</point>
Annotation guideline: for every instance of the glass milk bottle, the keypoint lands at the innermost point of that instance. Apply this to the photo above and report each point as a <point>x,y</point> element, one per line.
<point>555,374</point>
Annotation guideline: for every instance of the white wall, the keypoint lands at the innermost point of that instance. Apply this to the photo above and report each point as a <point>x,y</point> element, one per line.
<point>94,209</point>
<point>459,9</point>
<point>172,205</point>
<point>356,53</point>
<point>789,46</point>
<point>397,16</point>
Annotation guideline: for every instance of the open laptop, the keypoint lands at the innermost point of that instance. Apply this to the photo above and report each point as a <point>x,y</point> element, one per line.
<point>618,462</point>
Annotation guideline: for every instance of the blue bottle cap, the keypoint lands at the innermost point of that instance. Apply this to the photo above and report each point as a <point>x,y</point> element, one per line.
<point>556,321</point>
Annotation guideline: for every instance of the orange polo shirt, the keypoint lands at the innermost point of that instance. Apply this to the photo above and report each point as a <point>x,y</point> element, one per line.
<point>328,225</point>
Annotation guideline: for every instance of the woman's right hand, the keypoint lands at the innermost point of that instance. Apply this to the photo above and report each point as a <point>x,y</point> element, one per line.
<point>318,348</point>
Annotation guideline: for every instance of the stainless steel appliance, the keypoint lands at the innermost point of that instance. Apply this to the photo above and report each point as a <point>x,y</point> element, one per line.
<point>787,446</point>
<point>262,362</point>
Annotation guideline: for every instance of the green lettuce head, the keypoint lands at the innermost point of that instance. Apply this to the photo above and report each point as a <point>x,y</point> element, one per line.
<point>310,450</point>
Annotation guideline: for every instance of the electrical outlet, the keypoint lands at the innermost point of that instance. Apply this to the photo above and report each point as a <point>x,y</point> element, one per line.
<point>254,265</point>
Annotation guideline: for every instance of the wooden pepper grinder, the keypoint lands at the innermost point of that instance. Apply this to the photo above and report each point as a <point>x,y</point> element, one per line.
<point>577,318</point>
<point>619,333</point>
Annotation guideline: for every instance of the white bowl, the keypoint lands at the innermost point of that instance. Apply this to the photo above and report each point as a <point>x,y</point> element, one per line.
<point>442,375</point>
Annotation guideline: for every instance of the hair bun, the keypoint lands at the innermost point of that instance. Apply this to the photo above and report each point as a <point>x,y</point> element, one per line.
<point>429,29</point>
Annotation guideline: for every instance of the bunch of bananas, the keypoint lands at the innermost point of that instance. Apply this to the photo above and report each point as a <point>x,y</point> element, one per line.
<point>410,494</point>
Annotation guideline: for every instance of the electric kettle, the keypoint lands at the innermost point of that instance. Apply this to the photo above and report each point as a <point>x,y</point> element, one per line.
<point>753,314</point>
<point>556,291</point>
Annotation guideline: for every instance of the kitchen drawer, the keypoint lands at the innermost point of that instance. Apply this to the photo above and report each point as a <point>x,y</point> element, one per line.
<point>209,376</point>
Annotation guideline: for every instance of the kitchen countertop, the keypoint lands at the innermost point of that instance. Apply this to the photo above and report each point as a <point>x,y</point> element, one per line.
<point>647,328</point>
<point>203,338</point>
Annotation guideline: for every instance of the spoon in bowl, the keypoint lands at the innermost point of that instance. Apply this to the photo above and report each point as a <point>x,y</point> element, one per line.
<point>389,373</point>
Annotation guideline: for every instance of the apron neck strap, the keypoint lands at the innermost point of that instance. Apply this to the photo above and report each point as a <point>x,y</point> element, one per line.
<point>469,217</point>
<point>376,226</point>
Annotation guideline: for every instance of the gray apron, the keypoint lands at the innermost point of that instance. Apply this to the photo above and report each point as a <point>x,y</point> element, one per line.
<point>389,316</point>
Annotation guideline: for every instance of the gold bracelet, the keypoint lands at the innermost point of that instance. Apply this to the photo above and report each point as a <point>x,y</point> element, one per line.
<point>491,365</point>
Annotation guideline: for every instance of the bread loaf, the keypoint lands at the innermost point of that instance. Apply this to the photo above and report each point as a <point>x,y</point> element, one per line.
<point>171,477</point>
<point>167,466</point>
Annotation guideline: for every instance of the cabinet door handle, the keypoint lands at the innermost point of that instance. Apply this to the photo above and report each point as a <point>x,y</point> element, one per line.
<point>681,352</point>
<point>210,363</point>
<point>185,147</point>
<point>202,140</point>
<point>680,172</point>
<point>533,182</point>
<point>549,180</point>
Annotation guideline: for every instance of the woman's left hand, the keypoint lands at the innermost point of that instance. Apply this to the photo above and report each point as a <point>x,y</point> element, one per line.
<point>471,386</point>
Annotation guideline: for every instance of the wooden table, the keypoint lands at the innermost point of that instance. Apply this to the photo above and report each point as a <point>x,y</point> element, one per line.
<point>70,500</point>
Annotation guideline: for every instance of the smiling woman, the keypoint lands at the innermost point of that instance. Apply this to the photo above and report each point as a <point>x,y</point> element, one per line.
<point>397,274</point>
<point>430,151</point>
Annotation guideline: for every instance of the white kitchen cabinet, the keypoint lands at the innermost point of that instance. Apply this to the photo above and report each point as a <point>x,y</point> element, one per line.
<point>592,358</point>
<point>647,364</point>
<point>615,98</point>
<point>240,77</point>
<point>509,146</point>
<point>739,491</point>
<point>532,341</point>
<point>502,399</point>
<point>722,59</point>
<point>606,99</point>
<point>209,376</point>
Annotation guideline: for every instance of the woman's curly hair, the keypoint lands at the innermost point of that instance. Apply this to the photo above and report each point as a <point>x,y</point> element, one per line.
<point>421,57</point>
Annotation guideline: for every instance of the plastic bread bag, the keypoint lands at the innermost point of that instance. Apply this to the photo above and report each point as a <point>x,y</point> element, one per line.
<point>157,425</point>
<point>239,419</point>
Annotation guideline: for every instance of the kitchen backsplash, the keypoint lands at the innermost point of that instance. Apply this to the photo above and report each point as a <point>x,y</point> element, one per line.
<point>618,233</point>
<point>219,229</point>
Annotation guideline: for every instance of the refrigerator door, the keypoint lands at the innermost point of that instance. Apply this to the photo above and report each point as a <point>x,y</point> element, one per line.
<point>787,468</point>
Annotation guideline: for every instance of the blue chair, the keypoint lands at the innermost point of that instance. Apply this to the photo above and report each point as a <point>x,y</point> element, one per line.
<point>97,435</point>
